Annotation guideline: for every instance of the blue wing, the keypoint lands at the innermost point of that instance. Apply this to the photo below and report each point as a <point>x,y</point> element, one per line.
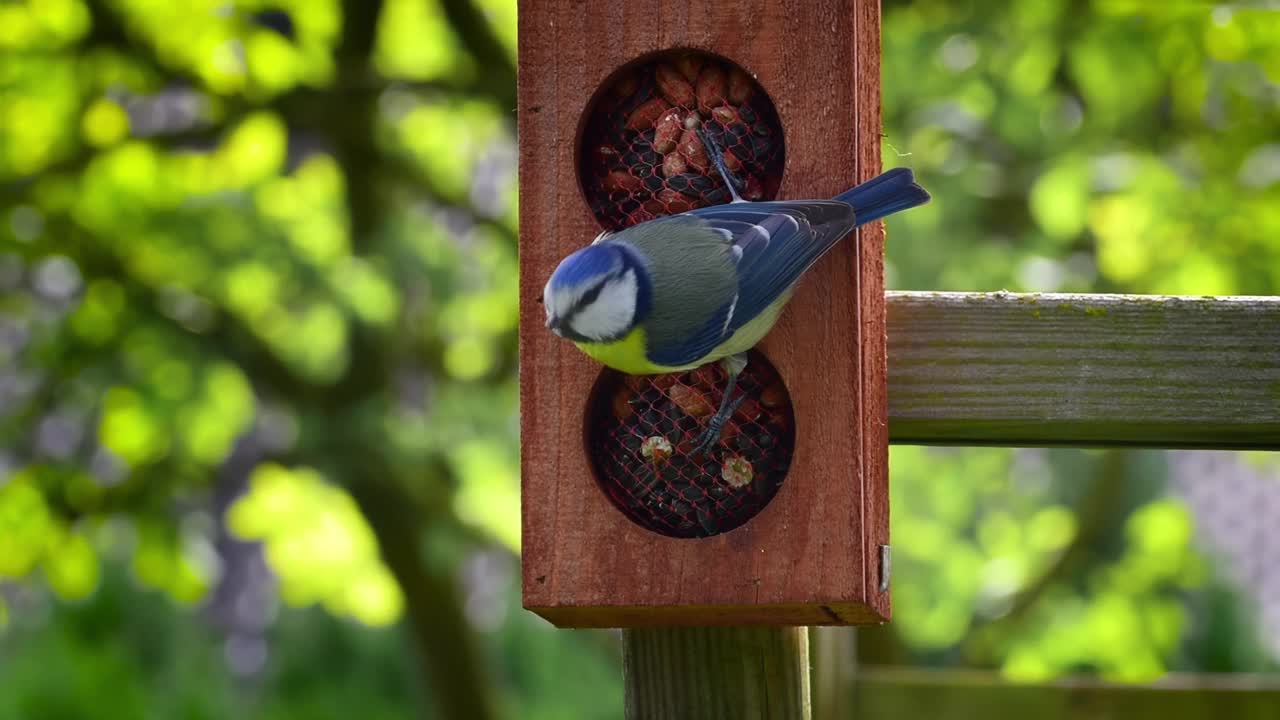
<point>775,243</point>
<point>697,346</point>
<point>772,245</point>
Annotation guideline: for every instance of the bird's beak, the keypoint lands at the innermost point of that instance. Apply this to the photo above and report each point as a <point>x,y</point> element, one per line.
<point>553,324</point>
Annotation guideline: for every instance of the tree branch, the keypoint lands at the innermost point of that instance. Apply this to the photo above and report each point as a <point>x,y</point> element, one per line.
<point>1096,513</point>
<point>108,31</point>
<point>441,632</point>
<point>409,173</point>
<point>497,69</point>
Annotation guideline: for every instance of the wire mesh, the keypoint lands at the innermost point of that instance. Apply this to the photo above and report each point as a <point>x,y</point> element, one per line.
<point>641,157</point>
<point>642,431</point>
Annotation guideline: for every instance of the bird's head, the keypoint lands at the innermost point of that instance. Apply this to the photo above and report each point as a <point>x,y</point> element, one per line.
<point>597,294</point>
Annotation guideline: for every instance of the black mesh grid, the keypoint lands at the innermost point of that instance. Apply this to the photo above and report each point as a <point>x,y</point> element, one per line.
<point>641,431</point>
<point>640,157</point>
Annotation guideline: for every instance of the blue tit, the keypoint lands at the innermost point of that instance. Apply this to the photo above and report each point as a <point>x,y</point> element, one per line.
<point>682,291</point>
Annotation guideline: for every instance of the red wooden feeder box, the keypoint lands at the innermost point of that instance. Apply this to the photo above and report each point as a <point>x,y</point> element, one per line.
<point>786,521</point>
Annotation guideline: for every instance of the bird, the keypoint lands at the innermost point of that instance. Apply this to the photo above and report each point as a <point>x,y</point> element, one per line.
<point>686,290</point>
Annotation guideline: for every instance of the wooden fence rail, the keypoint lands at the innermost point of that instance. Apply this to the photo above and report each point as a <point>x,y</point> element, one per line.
<point>1093,370</point>
<point>951,695</point>
<point>1017,370</point>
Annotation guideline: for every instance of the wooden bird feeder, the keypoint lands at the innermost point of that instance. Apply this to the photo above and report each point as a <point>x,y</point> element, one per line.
<point>786,523</point>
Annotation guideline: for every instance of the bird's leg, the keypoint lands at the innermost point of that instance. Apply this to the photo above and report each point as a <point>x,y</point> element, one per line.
<point>733,366</point>
<point>717,158</point>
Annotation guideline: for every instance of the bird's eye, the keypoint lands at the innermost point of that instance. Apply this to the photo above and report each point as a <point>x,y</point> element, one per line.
<point>590,296</point>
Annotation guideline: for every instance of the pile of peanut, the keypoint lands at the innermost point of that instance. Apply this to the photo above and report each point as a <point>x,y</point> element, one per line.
<point>643,153</point>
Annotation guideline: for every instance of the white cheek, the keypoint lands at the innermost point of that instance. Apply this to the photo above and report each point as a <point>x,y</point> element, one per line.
<point>612,312</point>
<point>559,301</point>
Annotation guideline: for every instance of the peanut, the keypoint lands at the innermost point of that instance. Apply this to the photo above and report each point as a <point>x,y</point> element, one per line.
<point>711,89</point>
<point>740,87</point>
<point>673,86</point>
<point>667,130</point>
<point>643,117</point>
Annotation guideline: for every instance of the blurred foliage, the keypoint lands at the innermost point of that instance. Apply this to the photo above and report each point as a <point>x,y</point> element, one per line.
<point>257,277</point>
<point>135,652</point>
<point>318,543</point>
<point>1109,146</point>
<point>1114,145</point>
<point>1009,573</point>
<point>257,319</point>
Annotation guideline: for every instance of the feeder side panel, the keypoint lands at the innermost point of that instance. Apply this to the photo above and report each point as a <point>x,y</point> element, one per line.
<point>809,554</point>
<point>874,373</point>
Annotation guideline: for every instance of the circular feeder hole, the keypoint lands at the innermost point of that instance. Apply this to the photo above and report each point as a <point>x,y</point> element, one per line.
<point>641,432</point>
<point>639,157</point>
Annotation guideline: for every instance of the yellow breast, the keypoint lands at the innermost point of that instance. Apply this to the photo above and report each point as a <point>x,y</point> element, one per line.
<point>629,354</point>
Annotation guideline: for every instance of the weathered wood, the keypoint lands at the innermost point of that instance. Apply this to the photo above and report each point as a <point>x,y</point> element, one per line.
<point>716,673</point>
<point>1094,370</point>
<point>872,322</point>
<point>810,556</point>
<point>946,695</point>
<point>833,653</point>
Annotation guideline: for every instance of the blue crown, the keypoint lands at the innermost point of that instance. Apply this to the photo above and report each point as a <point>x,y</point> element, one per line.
<point>590,262</point>
<point>594,261</point>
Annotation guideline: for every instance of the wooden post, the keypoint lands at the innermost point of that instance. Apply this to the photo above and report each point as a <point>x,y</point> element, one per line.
<point>716,673</point>
<point>833,653</point>
<point>812,556</point>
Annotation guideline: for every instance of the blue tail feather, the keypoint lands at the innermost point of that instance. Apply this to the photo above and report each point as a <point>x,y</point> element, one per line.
<point>885,194</point>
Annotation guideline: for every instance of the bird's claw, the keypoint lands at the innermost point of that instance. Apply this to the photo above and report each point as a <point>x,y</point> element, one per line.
<point>715,427</point>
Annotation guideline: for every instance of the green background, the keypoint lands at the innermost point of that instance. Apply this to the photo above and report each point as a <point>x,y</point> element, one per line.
<point>258,313</point>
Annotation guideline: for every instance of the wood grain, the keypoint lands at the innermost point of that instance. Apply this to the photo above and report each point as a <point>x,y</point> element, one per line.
<point>716,673</point>
<point>874,430</point>
<point>1090,370</point>
<point>948,695</point>
<point>833,663</point>
<point>808,556</point>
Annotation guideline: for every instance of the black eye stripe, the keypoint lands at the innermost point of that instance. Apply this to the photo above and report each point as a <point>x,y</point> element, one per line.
<point>593,294</point>
<point>590,296</point>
